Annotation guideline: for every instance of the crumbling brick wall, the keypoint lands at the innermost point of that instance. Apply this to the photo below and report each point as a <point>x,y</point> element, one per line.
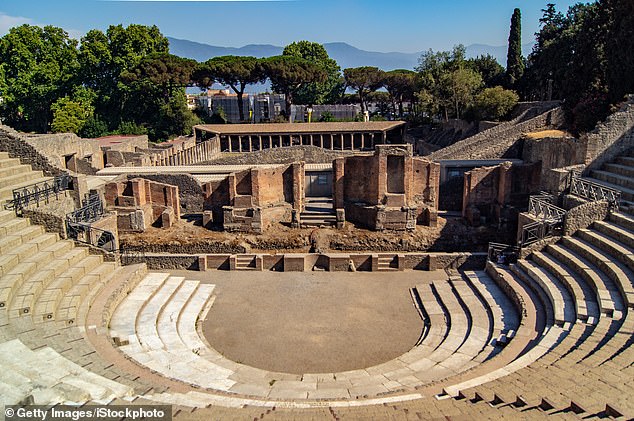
<point>402,189</point>
<point>140,203</point>
<point>494,192</point>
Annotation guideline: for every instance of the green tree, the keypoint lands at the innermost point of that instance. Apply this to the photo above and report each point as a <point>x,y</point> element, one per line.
<point>289,74</point>
<point>104,57</point>
<point>38,67</point>
<point>494,103</point>
<point>401,85</point>
<point>514,59</point>
<point>364,80</point>
<point>71,113</point>
<point>156,89</point>
<point>448,84</point>
<point>233,71</point>
<point>491,71</point>
<point>331,88</point>
<point>462,85</point>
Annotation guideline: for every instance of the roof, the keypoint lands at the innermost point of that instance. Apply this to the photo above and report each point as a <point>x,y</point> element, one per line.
<point>299,128</point>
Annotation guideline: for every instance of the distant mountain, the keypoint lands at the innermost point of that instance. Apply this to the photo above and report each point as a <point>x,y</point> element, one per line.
<point>345,54</point>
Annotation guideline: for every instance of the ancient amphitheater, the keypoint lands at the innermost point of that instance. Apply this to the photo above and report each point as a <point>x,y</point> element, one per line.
<point>545,330</point>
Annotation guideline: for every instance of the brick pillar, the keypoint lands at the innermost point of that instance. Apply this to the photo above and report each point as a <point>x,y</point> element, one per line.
<point>338,166</point>
<point>298,185</point>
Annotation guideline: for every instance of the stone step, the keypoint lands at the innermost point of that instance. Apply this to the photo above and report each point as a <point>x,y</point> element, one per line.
<point>611,272</point>
<point>481,329</point>
<point>606,293</point>
<point>93,280</point>
<point>624,170</point>
<point>122,323</point>
<point>6,215</point>
<point>47,302</point>
<point>622,220</point>
<point>627,161</point>
<point>24,297</point>
<point>558,295</point>
<point>6,162</point>
<point>147,319</point>
<point>13,225</point>
<point>6,193</point>
<point>10,282</point>
<point>619,180</point>
<point>616,250</point>
<point>438,321</point>
<point>45,370</point>
<point>586,307</point>
<point>25,251</point>
<point>617,232</point>
<point>13,240</point>
<point>20,177</point>
<point>12,170</point>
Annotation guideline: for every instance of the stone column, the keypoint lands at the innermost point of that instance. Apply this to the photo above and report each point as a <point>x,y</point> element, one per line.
<point>337,181</point>
<point>343,140</point>
<point>250,144</point>
<point>321,140</point>
<point>311,140</point>
<point>260,140</point>
<point>332,141</point>
<point>240,143</point>
<point>362,140</point>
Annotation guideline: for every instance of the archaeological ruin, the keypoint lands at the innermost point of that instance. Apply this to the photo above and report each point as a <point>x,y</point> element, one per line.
<point>323,270</point>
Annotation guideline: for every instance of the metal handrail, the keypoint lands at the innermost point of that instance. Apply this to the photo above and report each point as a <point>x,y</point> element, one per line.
<point>545,210</point>
<point>87,234</point>
<point>90,212</point>
<point>502,253</point>
<point>594,191</point>
<point>38,192</point>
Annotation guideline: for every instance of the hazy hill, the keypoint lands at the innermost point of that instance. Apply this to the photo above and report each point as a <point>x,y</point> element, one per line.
<point>345,54</point>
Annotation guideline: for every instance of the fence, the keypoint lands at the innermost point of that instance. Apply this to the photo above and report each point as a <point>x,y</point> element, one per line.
<point>87,234</point>
<point>37,193</point>
<point>594,191</point>
<point>91,211</point>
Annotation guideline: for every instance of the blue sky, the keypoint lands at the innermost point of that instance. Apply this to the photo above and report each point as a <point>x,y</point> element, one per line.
<point>397,25</point>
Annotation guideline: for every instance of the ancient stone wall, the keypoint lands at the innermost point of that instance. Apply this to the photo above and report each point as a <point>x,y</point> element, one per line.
<point>287,155</point>
<point>584,215</point>
<point>62,149</point>
<point>140,203</point>
<point>500,141</point>
<point>400,188</point>
<point>553,152</point>
<point>611,138</point>
<point>494,192</point>
<point>191,195</point>
<point>17,147</point>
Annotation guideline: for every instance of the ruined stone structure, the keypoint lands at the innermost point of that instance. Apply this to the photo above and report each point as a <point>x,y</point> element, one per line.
<point>493,194</point>
<point>389,190</point>
<point>251,199</point>
<point>140,203</point>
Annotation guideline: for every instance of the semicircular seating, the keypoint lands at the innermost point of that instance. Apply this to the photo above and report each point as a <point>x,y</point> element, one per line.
<point>550,335</point>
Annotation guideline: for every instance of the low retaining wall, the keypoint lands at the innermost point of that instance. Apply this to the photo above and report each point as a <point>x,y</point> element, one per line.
<point>332,262</point>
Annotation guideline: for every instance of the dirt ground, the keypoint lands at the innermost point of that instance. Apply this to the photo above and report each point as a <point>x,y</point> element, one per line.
<point>188,236</point>
<point>315,322</point>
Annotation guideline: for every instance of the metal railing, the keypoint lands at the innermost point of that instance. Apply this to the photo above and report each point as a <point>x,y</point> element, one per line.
<point>539,230</point>
<point>545,210</point>
<point>594,191</point>
<point>131,255</point>
<point>38,193</point>
<point>502,253</point>
<point>91,211</point>
<point>87,234</point>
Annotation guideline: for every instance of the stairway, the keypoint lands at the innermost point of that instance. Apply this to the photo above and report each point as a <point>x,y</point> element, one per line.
<point>245,262</point>
<point>318,212</point>
<point>618,174</point>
